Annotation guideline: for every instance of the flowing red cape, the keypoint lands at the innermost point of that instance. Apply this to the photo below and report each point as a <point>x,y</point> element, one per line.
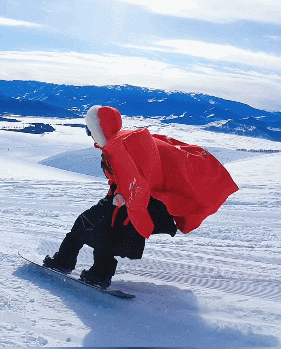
<point>190,181</point>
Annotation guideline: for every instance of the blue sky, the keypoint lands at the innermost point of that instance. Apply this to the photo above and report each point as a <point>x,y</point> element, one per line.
<point>230,49</point>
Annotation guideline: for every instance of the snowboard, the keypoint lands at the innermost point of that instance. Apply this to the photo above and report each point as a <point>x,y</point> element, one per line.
<point>39,263</point>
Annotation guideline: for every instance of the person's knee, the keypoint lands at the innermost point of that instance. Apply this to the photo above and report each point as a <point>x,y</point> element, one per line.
<point>78,227</point>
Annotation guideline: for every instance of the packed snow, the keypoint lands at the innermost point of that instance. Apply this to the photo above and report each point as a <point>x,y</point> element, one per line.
<point>217,286</point>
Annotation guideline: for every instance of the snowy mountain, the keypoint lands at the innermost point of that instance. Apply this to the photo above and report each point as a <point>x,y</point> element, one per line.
<point>211,113</point>
<point>218,286</point>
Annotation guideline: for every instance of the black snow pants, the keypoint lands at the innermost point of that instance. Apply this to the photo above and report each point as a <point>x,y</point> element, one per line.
<point>94,228</point>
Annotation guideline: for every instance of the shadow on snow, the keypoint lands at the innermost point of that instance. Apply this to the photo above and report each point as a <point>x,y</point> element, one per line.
<point>158,316</point>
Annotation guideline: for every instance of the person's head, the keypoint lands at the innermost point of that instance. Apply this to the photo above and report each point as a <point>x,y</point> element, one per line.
<point>103,123</point>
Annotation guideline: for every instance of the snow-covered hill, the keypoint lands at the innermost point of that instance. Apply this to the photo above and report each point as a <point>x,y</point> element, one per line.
<point>217,286</point>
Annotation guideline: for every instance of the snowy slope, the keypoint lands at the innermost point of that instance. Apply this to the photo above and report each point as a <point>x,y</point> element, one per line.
<point>217,286</point>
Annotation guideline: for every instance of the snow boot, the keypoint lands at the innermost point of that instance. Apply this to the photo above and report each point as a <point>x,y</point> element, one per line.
<point>100,274</point>
<point>56,263</point>
<point>65,259</point>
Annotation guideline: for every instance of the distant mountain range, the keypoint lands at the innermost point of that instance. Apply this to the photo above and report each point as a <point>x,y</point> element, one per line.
<point>32,98</point>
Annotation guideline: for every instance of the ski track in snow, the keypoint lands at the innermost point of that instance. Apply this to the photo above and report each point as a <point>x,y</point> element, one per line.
<point>214,258</point>
<point>217,286</point>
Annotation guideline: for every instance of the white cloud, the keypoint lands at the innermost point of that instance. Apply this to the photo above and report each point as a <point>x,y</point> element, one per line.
<point>217,52</point>
<point>13,22</point>
<point>216,10</point>
<point>272,37</point>
<point>255,88</point>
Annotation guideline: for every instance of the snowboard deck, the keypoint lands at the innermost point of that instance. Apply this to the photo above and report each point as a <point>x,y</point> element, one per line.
<point>39,263</point>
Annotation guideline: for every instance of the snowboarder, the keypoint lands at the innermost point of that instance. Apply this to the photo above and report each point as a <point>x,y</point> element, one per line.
<point>157,185</point>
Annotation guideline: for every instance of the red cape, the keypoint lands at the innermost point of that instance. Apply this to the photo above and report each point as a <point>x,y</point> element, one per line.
<point>190,181</point>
